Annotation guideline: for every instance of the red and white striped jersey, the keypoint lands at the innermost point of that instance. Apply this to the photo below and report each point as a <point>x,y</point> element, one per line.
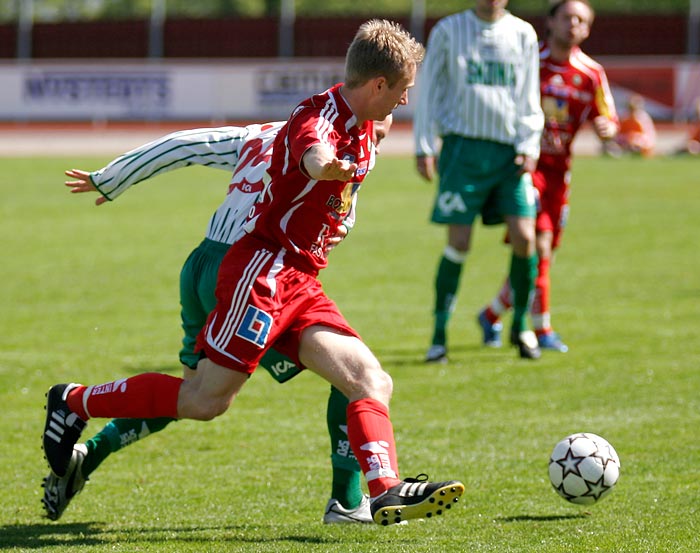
<point>297,212</point>
<point>571,93</point>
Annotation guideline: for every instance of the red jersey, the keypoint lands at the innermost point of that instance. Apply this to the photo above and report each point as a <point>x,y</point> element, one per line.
<point>572,92</point>
<point>297,212</point>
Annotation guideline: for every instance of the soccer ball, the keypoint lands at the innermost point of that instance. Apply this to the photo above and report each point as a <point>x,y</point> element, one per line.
<point>583,468</point>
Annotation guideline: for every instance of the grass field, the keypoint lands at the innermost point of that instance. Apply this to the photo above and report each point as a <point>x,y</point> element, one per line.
<point>89,294</point>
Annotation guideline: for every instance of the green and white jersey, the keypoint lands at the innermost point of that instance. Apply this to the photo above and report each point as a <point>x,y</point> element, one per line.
<point>480,80</point>
<point>243,151</point>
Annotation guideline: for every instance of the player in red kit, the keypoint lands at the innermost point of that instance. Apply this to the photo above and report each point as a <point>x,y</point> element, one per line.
<point>268,292</point>
<point>574,89</point>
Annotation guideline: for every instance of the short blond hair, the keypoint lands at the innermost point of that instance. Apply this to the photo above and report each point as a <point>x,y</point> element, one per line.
<point>381,48</point>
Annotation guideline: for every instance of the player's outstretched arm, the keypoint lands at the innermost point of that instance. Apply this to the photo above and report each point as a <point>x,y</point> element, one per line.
<point>82,183</point>
<point>212,147</point>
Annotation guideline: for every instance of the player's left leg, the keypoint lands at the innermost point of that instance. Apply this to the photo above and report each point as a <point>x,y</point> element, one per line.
<point>347,502</point>
<point>489,318</point>
<point>541,317</point>
<point>517,199</point>
<point>521,276</point>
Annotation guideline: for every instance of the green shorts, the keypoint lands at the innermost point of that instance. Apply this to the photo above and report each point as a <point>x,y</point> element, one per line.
<point>479,177</point>
<point>197,300</point>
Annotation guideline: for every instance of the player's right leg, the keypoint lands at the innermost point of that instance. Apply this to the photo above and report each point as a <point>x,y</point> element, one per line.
<point>147,396</point>
<point>350,366</point>
<point>197,283</point>
<point>447,281</point>
<point>451,207</point>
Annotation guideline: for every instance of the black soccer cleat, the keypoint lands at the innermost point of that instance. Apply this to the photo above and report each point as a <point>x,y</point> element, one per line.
<point>62,429</point>
<point>527,345</point>
<point>415,498</point>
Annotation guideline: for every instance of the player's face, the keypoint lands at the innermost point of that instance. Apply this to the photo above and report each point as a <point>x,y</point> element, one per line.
<point>391,97</point>
<point>490,9</point>
<point>571,24</point>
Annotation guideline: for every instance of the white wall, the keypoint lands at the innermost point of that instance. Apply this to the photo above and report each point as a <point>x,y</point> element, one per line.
<point>229,90</point>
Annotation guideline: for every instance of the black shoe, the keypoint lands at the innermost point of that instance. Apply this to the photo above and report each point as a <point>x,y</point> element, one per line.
<point>415,498</point>
<point>62,429</point>
<point>527,345</point>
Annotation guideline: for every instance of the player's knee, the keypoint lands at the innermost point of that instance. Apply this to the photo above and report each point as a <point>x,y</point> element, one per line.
<point>194,403</point>
<point>376,383</point>
<point>522,239</point>
<point>207,411</point>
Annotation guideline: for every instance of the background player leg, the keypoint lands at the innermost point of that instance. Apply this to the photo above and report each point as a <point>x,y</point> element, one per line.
<point>447,282</point>
<point>523,269</point>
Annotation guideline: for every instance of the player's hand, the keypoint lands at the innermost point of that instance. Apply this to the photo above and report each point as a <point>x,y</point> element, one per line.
<point>336,239</point>
<point>82,184</point>
<point>604,128</point>
<point>526,163</point>
<point>338,169</point>
<point>425,165</point>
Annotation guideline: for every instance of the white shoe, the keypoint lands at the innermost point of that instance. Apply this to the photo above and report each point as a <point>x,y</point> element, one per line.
<point>436,354</point>
<point>337,514</point>
<point>58,491</point>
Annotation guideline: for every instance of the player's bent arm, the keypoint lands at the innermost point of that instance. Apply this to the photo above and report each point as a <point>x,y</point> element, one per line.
<point>218,148</point>
<point>604,127</point>
<point>530,115</point>
<point>320,163</point>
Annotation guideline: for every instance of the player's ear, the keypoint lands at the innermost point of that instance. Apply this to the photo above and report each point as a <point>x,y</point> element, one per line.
<point>380,84</point>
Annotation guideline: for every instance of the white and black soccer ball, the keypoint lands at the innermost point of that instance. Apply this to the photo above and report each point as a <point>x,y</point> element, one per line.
<point>584,468</point>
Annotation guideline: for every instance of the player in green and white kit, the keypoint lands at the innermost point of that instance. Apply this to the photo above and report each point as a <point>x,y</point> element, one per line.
<point>479,91</point>
<point>246,151</point>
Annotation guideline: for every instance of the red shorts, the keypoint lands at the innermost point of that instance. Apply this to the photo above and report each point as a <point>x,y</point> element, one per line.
<point>261,302</point>
<point>553,189</point>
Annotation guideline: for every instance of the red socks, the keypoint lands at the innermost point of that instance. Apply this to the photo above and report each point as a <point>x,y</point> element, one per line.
<point>500,304</point>
<point>372,440</point>
<point>145,396</point>
<point>540,303</point>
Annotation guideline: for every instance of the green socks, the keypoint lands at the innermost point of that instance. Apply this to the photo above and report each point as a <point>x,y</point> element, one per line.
<point>523,271</point>
<point>117,434</point>
<point>346,486</point>
<point>446,285</point>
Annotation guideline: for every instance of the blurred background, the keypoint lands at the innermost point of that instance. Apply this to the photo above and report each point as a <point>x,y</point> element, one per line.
<point>102,61</point>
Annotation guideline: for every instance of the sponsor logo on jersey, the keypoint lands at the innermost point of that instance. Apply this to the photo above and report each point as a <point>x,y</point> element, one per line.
<point>341,205</point>
<point>555,109</point>
<point>362,169</point>
<point>566,92</point>
<point>491,73</point>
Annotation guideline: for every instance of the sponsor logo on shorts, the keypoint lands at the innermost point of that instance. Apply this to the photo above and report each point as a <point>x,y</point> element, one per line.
<point>449,202</point>
<point>255,326</point>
